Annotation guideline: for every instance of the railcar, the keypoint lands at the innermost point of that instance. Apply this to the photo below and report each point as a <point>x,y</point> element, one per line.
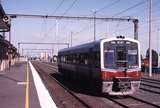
<point>114,63</point>
<point>155,62</point>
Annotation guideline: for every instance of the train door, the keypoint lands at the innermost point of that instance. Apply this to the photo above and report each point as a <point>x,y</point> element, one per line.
<point>121,57</point>
<point>91,57</point>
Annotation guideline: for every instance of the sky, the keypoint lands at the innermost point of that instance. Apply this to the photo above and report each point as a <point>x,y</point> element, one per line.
<point>59,30</point>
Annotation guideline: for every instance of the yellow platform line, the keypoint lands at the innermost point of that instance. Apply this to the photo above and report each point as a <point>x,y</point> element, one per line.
<point>27,89</point>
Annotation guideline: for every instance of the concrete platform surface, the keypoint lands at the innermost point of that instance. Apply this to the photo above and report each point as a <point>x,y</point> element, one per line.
<point>17,88</point>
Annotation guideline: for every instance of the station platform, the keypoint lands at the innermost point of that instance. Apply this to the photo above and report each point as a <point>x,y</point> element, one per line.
<point>18,88</point>
<point>154,75</point>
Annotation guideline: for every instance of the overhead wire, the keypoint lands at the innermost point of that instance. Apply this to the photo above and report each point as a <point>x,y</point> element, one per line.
<point>123,11</point>
<point>144,22</point>
<point>132,7</point>
<point>56,9</point>
<point>106,6</point>
<point>145,8</point>
<point>70,7</point>
<point>60,4</point>
<point>65,12</point>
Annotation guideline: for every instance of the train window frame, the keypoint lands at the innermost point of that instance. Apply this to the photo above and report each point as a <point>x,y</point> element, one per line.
<point>133,53</point>
<point>97,59</point>
<point>111,65</point>
<point>121,61</point>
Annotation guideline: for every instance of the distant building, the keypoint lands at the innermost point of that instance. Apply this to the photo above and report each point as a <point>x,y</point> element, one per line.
<point>44,56</point>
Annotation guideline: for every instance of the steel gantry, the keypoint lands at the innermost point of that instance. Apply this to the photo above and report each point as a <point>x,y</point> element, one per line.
<point>34,49</point>
<point>134,20</point>
<point>20,43</point>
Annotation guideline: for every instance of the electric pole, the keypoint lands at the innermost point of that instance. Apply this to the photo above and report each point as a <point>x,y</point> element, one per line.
<point>150,39</point>
<point>158,34</point>
<point>94,13</point>
<point>71,38</point>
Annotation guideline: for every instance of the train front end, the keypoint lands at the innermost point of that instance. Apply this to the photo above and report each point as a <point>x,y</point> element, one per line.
<point>120,66</point>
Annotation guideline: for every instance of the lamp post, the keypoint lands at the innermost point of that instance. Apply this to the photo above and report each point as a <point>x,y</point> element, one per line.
<point>150,41</point>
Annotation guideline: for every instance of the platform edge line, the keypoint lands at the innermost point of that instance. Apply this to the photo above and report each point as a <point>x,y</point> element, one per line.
<point>44,97</point>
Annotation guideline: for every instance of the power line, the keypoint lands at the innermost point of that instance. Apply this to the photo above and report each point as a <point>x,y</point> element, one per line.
<point>122,29</point>
<point>143,24</point>
<point>144,9</point>
<point>156,3</point>
<point>60,4</point>
<point>68,9</point>
<point>108,6</point>
<point>125,10</point>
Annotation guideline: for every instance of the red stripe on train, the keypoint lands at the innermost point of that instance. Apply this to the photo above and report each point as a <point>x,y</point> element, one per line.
<point>109,75</point>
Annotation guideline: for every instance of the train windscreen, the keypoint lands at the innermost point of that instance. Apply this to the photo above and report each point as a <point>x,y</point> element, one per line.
<point>120,54</point>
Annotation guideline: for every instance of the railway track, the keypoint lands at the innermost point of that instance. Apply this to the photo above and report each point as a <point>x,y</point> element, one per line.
<point>150,85</point>
<point>156,81</point>
<point>83,103</point>
<point>127,102</point>
<point>75,96</point>
<point>132,102</point>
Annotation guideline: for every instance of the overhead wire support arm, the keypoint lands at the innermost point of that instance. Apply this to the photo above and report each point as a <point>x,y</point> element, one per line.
<point>134,20</point>
<point>36,49</point>
<point>43,43</point>
<point>19,43</point>
<point>69,17</point>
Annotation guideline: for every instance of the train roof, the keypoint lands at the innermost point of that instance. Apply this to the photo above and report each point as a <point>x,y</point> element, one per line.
<point>80,48</point>
<point>86,47</point>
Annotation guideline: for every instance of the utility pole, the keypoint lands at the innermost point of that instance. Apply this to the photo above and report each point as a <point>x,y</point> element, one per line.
<point>22,51</point>
<point>19,48</point>
<point>71,38</point>
<point>94,13</point>
<point>158,34</point>
<point>10,55</point>
<point>150,41</point>
<point>52,52</point>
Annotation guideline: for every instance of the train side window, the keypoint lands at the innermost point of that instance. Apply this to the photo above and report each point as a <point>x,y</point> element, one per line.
<point>61,58</point>
<point>77,58</point>
<point>74,59</point>
<point>82,59</point>
<point>97,59</point>
<point>86,59</point>
<point>132,58</point>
